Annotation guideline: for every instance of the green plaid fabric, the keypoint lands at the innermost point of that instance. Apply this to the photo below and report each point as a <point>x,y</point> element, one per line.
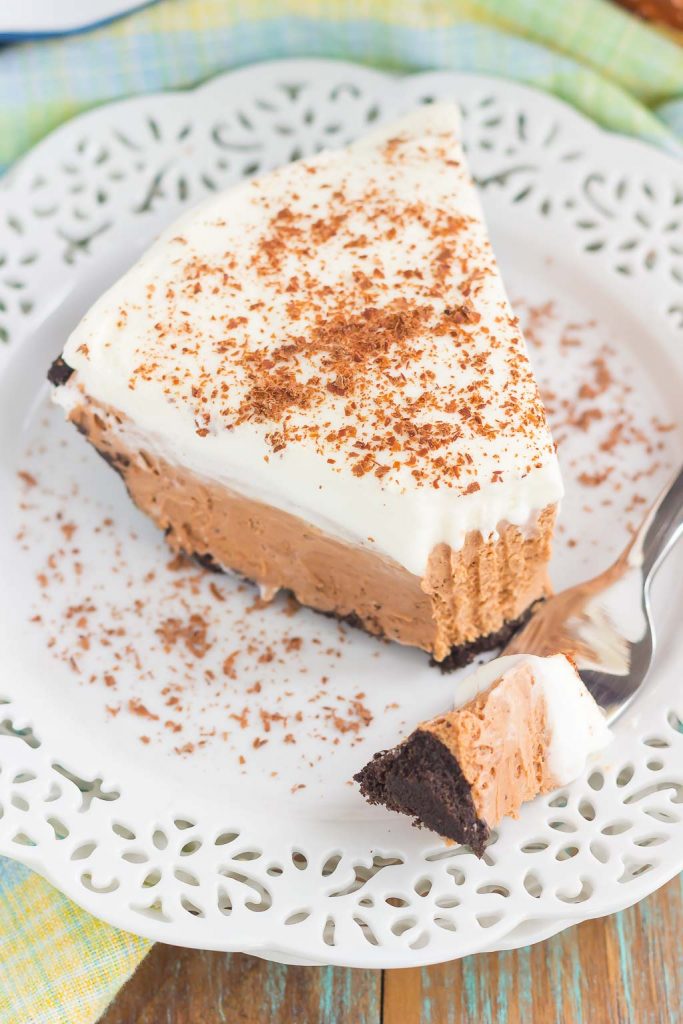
<point>589,52</point>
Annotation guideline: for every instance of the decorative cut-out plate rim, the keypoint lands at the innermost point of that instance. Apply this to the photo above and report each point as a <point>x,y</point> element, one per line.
<point>538,916</point>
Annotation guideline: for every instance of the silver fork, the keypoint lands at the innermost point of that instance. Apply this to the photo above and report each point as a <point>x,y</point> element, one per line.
<point>605,623</point>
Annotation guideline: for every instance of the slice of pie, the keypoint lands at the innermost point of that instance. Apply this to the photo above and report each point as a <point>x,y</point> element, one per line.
<point>315,379</point>
<point>522,726</point>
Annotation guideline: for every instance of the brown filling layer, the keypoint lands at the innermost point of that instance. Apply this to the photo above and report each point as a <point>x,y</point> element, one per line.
<point>500,743</point>
<point>464,596</point>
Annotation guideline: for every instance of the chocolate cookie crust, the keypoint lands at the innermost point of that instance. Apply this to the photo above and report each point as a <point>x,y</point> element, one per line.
<point>421,778</point>
<point>59,372</point>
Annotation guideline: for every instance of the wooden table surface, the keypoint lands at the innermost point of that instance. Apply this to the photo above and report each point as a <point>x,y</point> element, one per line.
<point>625,969</point>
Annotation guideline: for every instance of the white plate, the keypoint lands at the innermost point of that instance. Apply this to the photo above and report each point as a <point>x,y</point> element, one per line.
<point>201,849</point>
<point>57,17</point>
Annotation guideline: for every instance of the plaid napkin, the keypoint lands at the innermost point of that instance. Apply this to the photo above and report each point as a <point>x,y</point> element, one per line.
<point>589,52</point>
<point>58,965</point>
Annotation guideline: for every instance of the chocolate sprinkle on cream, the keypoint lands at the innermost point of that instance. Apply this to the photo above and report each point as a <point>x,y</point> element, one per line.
<point>336,328</point>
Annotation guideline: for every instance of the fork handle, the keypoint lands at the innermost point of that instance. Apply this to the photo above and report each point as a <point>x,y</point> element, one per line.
<point>662,527</point>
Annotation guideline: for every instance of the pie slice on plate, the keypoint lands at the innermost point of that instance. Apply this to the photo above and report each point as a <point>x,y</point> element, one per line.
<point>315,379</point>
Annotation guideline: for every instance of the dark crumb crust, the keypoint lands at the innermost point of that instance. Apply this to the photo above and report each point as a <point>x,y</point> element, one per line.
<point>463,654</point>
<point>207,561</point>
<point>59,372</point>
<point>421,778</point>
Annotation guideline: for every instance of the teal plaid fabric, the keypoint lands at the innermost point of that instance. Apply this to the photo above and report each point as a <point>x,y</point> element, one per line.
<point>605,62</point>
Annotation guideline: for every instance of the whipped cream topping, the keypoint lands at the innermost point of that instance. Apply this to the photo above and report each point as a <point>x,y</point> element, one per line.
<point>576,725</point>
<point>334,339</point>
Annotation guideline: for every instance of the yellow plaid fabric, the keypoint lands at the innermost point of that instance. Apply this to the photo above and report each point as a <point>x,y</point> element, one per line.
<point>589,52</point>
<point>57,963</point>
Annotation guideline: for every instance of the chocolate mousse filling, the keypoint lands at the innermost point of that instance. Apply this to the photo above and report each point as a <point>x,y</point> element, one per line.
<point>470,600</point>
<point>462,654</point>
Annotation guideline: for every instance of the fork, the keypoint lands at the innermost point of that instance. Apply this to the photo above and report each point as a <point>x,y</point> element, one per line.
<point>605,623</point>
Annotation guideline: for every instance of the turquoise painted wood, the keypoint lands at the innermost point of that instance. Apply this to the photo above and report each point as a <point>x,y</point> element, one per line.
<point>627,969</point>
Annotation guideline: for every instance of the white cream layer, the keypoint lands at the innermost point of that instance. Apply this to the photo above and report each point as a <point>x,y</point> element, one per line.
<point>397,515</point>
<point>576,724</point>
